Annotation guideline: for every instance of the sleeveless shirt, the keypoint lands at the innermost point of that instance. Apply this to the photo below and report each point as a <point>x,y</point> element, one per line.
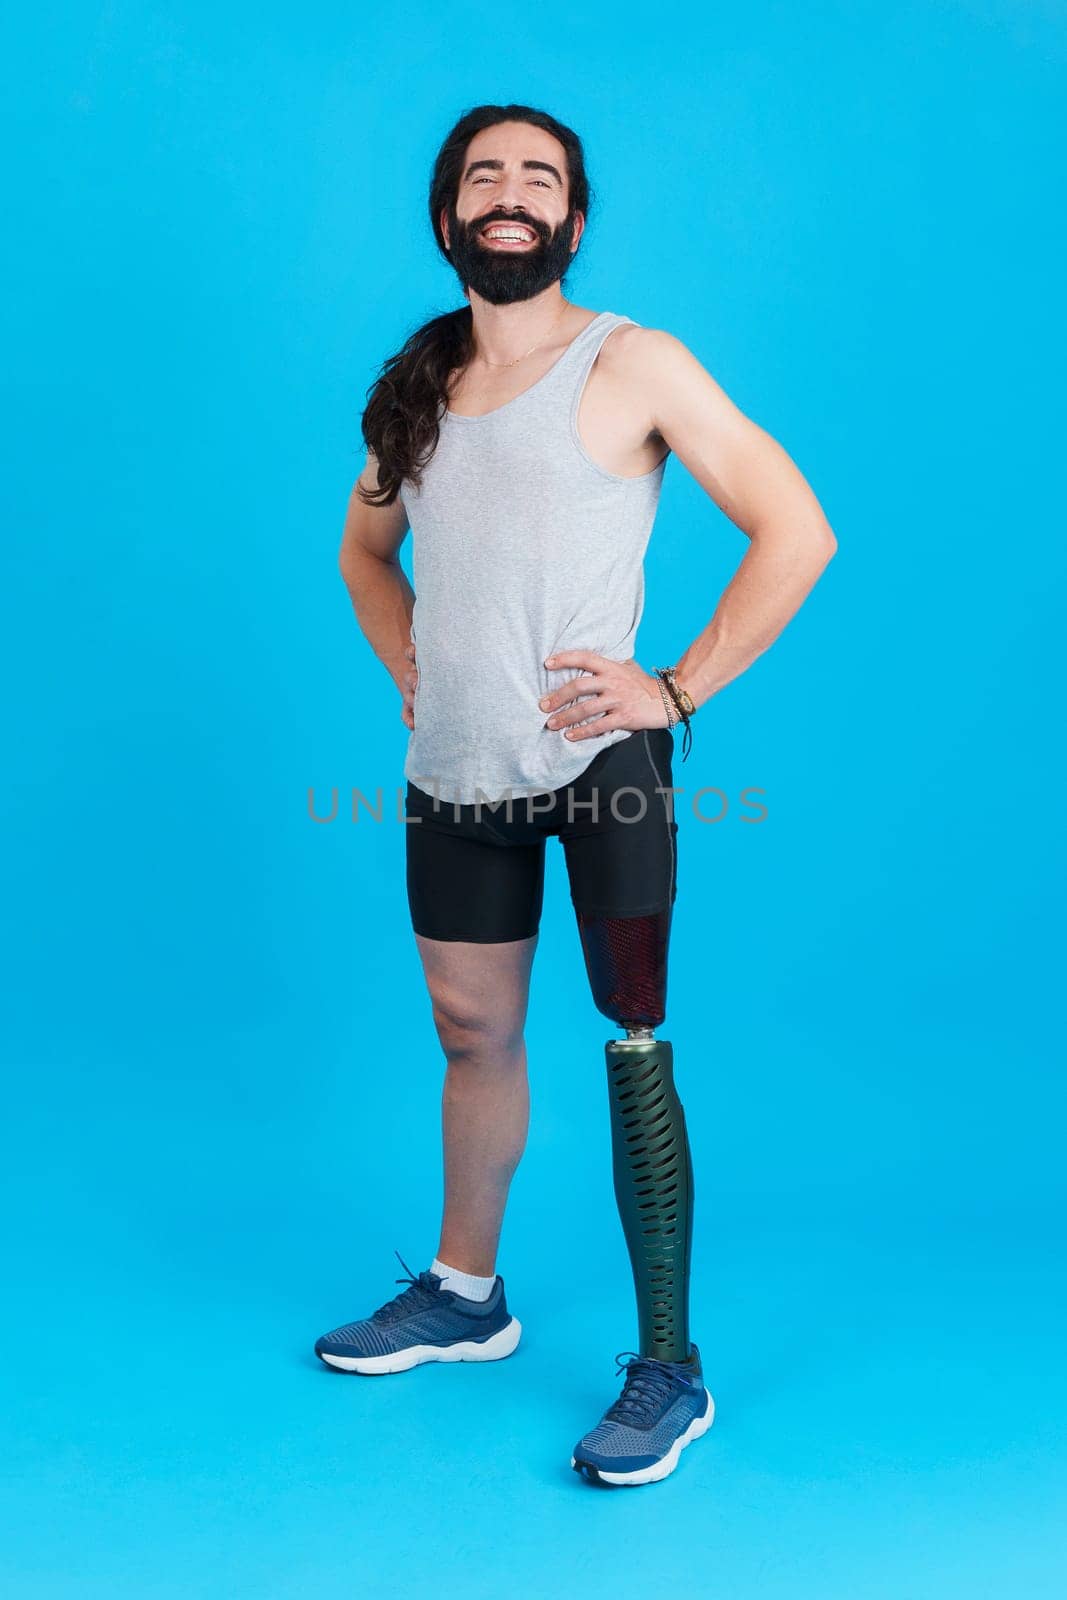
<point>521,546</point>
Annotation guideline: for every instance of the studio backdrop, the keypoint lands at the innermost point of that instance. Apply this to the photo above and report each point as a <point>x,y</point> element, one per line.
<point>222,1079</point>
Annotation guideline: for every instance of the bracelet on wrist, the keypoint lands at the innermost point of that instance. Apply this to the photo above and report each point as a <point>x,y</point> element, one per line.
<point>670,709</point>
<point>682,701</point>
<point>682,696</point>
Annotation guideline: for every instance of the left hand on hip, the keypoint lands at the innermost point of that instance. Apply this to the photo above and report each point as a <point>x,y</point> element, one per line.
<point>619,694</point>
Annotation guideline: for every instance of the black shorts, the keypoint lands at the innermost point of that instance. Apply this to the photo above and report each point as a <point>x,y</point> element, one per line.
<point>477,873</point>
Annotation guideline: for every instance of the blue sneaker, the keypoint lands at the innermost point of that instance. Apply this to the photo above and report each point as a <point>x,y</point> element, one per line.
<point>423,1323</point>
<point>663,1407</point>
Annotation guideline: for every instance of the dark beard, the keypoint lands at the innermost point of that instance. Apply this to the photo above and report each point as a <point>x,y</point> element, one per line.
<point>502,276</point>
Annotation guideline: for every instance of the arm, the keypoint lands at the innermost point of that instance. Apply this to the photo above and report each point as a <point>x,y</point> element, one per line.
<point>752,479</point>
<point>381,595</point>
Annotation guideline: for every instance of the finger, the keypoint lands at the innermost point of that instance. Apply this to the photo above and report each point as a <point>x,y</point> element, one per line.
<point>575,658</point>
<point>578,713</point>
<point>595,730</point>
<point>566,693</point>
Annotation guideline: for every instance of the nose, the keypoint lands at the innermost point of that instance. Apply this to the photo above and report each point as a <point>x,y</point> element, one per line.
<point>509,195</point>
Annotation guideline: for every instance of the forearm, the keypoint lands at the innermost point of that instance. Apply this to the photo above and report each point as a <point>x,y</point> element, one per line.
<point>383,601</point>
<point>777,574</point>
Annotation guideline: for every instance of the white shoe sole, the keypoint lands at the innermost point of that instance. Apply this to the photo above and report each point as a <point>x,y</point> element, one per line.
<point>660,1469</point>
<point>501,1344</point>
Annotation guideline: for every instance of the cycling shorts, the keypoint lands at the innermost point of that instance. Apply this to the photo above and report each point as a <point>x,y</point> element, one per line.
<point>476,872</point>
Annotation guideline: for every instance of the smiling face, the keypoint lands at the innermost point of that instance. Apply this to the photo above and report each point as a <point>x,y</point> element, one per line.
<point>510,231</point>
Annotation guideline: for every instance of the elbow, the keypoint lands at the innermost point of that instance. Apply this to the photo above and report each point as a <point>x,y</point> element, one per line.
<point>347,564</point>
<point>824,542</point>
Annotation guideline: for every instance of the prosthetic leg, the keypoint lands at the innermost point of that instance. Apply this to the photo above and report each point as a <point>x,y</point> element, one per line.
<point>626,961</point>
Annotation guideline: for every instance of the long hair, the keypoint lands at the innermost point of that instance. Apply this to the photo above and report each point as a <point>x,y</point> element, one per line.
<point>401,420</point>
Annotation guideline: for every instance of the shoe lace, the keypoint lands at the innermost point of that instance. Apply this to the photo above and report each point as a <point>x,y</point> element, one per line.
<point>422,1289</point>
<point>648,1384</point>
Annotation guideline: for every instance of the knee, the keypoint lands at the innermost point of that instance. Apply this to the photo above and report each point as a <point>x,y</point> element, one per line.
<point>469,1030</point>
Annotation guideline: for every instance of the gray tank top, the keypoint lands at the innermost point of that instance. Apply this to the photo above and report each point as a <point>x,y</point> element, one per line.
<point>521,546</point>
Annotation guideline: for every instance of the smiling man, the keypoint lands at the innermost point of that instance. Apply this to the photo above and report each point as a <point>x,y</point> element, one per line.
<point>523,441</point>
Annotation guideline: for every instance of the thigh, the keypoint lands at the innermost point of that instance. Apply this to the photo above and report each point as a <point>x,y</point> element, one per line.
<point>480,992</point>
<point>464,882</point>
<point>622,858</point>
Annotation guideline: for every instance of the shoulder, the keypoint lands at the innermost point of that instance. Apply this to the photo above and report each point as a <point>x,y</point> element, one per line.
<point>643,352</point>
<point>649,362</point>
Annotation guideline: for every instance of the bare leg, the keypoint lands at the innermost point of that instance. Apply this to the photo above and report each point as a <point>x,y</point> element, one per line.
<point>480,995</point>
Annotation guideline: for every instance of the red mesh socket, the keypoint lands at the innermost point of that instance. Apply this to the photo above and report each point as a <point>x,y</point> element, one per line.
<point>626,959</point>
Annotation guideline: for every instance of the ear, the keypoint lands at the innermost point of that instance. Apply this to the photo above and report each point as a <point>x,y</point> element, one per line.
<point>579,229</point>
<point>444,227</point>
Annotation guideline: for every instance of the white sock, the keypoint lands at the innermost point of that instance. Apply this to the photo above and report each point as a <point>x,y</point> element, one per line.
<point>464,1283</point>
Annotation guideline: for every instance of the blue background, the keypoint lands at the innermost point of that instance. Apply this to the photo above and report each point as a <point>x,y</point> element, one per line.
<point>223,1079</point>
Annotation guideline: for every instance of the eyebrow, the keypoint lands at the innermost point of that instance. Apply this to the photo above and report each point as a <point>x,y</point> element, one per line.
<point>498,166</point>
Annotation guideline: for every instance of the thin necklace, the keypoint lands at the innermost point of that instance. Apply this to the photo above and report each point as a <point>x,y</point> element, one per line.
<point>532,348</point>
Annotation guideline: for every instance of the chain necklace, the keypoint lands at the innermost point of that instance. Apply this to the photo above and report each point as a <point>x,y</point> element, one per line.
<point>532,348</point>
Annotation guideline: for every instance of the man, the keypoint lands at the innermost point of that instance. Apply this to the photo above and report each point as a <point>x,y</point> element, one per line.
<point>523,439</point>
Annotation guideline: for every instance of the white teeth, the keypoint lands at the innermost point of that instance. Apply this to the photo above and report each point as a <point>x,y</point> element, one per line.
<point>508,233</point>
